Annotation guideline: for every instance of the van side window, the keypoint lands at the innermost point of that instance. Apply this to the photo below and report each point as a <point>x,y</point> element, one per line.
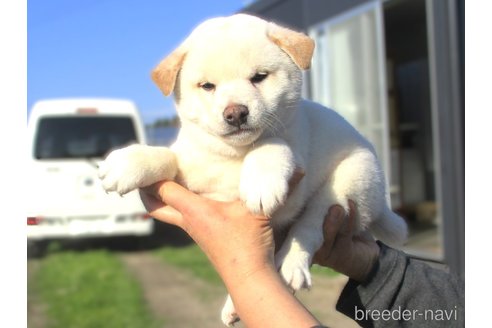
<point>82,137</point>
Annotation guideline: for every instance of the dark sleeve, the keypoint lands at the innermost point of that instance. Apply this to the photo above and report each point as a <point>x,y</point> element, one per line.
<point>404,292</point>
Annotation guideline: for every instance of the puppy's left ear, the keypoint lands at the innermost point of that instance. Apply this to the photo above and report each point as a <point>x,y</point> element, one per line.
<point>297,45</point>
<point>166,72</point>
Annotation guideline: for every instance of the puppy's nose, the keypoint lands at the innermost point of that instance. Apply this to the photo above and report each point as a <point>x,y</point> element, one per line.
<point>236,114</point>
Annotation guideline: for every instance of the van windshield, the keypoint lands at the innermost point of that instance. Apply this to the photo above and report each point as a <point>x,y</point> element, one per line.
<point>82,137</point>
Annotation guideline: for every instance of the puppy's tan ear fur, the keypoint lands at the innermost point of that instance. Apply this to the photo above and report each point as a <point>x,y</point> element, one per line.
<point>297,45</point>
<point>164,75</point>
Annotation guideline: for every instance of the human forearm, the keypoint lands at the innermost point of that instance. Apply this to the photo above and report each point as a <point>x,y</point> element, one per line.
<point>260,291</point>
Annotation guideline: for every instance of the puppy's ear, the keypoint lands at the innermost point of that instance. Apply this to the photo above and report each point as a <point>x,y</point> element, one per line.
<point>164,75</point>
<point>297,45</point>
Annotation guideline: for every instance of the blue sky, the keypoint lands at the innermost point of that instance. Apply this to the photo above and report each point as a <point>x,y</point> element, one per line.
<point>107,48</point>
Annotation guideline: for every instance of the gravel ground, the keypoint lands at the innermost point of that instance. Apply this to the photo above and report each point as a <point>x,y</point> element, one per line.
<point>183,301</point>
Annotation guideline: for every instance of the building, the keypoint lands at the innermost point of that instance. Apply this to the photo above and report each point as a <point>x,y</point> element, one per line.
<point>395,70</point>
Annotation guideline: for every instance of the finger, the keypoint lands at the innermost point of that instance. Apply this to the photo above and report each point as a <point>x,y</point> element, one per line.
<point>180,198</point>
<point>353,213</point>
<point>152,190</point>
<point>364,236</point>
<point>169,215</point>
<point>332,224</point>
<point>149,200</point>
<point>160,211</point>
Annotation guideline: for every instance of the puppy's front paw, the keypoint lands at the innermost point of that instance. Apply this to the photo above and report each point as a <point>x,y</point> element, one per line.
<point>265,176</point>
<point>294,268</point>
<point>263,192</point>
<point>229,315</point>
<point>123,171</point>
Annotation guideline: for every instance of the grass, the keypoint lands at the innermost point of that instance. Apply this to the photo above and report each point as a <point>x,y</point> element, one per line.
<point>323,271</point>
<point>93,288</point>
<point>90,289</point>
<point>192,259</point>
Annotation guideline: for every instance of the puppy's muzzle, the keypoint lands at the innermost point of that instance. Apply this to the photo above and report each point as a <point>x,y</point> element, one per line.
<point>236,115</point>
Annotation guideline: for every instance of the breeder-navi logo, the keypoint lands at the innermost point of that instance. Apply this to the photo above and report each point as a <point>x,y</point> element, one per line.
<point>400,314</point>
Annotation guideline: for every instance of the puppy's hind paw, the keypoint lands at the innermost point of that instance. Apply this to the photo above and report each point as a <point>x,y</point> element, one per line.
<point>294,269</point>
<point>229,315</point>
<point>230,319</point>
<point>297,278</point>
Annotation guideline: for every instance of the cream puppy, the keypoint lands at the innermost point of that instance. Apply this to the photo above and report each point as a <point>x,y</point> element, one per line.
<point>244,131</point>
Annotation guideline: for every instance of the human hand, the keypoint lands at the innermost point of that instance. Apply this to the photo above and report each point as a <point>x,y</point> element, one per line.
<point>233,239</point>
<point>342,250</point>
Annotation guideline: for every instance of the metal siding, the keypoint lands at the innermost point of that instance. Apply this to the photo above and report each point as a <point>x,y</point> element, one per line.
<point>300,14</point>
<point>447,91</point>
<point>284,12</point>
<point>320,10</point>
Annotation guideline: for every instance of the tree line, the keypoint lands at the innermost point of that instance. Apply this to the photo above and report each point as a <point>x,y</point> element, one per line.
<point>165,122</point>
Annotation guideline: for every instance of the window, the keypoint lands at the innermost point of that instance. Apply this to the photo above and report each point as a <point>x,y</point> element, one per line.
<point>371,66</point>
<point>81,137</point>
<point>347,72</point>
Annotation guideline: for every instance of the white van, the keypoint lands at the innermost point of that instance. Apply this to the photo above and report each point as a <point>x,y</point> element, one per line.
<point>67,140</point>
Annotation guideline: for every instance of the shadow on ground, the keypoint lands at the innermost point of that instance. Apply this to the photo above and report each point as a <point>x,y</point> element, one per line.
<point>163,235</point>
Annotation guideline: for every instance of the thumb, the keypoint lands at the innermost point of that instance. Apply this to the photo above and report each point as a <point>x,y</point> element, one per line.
<point>180,198</point>
<point>332,225</point>
<point>160,211</point>
<point>334,221</point>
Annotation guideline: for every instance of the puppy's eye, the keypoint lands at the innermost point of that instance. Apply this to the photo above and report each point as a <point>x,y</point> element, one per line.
<point>258,77</point>
<point>207,86</point>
